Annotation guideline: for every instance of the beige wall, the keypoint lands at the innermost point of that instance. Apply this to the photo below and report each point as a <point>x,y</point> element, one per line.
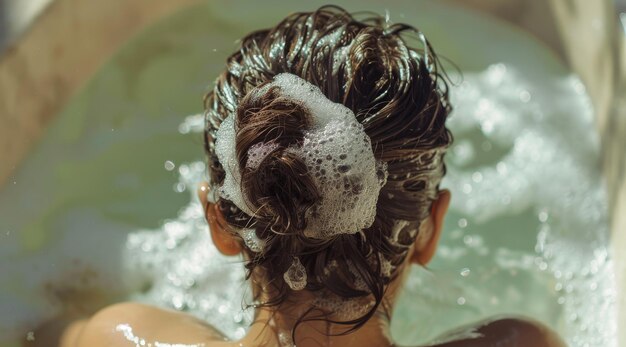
<point>42,70</point>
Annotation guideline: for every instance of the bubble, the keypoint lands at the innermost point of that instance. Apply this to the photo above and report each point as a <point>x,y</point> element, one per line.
<point>183,128</point>
<point>238,317</point>
<point>177,302</point>
<point>240,333</point>
<point>543,216</point>
<point>477,177</point>
<point>222,309</point>
<point>502,168</point>
<point>169,165</point>
<point>460,300</point>
<point>463,152</point>
<point>462,223</point>
<point>465,272</point>
<point>183,170</point>
<point>524,96</point>
<point>180,187</point>
<point>343,168</point>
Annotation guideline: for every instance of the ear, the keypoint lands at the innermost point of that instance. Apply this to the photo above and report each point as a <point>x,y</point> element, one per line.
<point>222,238</point>
<point>430,230</point>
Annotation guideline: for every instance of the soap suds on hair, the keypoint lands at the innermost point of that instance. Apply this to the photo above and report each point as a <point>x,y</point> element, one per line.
<point>338,155</point>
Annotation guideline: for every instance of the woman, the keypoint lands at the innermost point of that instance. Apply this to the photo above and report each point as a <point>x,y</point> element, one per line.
<point>325,138</point>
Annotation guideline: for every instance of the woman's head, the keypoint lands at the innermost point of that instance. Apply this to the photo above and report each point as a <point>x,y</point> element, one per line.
<point>396,93</point>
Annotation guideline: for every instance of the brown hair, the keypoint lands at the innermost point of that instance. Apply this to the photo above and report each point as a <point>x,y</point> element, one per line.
<point>399,95</point>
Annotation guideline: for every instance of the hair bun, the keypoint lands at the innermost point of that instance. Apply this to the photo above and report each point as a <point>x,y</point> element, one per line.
<point>275,181</point>
<point>295,147</point>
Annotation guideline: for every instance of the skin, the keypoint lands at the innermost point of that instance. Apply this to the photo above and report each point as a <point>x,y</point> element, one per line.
<point>110,326</point>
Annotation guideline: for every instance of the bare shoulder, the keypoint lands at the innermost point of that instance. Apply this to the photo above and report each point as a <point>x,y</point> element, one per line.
<point>502,332</point>
<point>526,332</point>
<point>131,324</point>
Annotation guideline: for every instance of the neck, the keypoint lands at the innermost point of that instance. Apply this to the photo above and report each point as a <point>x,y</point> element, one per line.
<point>274,328</point>
<point>271,323</point>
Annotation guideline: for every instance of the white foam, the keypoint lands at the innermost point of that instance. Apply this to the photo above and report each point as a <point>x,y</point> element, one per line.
<point>525,165</point>
<point>258,152</point>
<point>296,276</point>
<point>251,240</point>
<point>227,155</point>
<point>398,226</point>
<point>342,308</point>
<point>284,339</point>
<point>386,268</point>
<point>338,155</point>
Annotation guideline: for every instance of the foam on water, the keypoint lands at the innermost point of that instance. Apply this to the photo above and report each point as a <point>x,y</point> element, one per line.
<point>547,164</point>
<point>177,267</point>
<point>525,163</point>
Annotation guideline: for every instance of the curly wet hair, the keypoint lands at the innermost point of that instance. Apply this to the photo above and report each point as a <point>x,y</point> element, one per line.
<point>398,92</point>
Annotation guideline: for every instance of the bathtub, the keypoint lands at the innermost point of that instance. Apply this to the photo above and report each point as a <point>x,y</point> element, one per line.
<point>109,188</point>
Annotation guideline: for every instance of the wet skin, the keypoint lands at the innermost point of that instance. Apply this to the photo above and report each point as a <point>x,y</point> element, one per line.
<point>111,327</point>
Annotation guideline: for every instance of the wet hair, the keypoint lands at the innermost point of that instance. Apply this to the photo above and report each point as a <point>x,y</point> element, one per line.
<point>398,93</point>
